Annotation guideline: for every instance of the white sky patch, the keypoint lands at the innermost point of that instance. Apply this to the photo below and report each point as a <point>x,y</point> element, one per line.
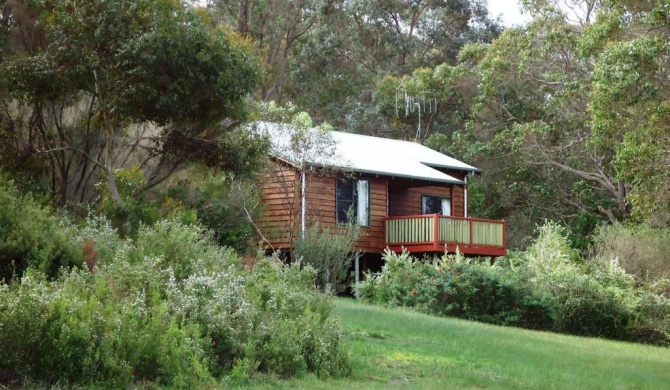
<point>509,11</point>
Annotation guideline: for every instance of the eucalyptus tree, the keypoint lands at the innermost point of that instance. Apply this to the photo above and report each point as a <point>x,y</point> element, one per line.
<point>274,27</point>
<point>366,42</point>
<point>630,99</point>
<point>148,79</point>
<point>569,120</point>
<point>531,133</point>
<point>327,55</point>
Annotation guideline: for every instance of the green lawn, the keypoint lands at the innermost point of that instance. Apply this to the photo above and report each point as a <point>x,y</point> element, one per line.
<point>393,348</point>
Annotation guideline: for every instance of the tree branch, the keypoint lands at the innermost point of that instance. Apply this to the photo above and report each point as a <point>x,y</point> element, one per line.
<point>83,153</point>
<point>600,179</point>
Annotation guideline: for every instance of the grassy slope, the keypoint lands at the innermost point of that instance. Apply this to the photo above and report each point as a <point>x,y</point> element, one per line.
<point>402,349</point>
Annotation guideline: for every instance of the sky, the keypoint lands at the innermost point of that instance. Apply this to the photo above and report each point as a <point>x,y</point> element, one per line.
<point>509,9</point>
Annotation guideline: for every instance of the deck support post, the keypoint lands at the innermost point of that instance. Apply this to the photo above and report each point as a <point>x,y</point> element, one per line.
<point>357,269</point>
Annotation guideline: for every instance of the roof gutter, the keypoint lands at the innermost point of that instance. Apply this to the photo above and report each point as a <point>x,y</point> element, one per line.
<point>470,169</point>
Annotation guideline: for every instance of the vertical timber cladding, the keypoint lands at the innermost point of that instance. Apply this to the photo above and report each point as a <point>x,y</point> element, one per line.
<point>320,198</point>
<point>405,198</point>
<point>280,196</point>
<point>458,198</point>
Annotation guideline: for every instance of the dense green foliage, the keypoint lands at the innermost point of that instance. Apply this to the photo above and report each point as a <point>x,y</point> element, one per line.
<point>91,88</point>
<point>453,286</point>
<point>642,250</point>
<point>327,55</point>
<point>546,287</point>
<point>329,253</point>
<point>120,109</point>
<point>222,204</point>
<point>169,307</point>
<point>567,116</point>
<point>31,237</point>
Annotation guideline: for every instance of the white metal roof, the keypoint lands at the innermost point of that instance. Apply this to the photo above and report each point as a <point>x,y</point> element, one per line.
<point>362,153</point>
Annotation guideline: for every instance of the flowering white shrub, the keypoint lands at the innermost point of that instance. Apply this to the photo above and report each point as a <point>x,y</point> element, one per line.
<point>171,308</point>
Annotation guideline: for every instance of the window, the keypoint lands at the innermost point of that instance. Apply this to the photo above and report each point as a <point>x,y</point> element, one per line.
<point>431,204</point>
<point>352,196</point>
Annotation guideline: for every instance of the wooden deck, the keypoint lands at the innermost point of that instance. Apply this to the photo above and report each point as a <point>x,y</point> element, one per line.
<point>437,233</point>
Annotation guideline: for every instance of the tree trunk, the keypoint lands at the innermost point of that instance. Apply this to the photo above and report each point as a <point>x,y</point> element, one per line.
<point>111,180</point>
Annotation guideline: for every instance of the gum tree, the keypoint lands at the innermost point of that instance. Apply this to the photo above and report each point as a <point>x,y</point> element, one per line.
<point>109,68</point>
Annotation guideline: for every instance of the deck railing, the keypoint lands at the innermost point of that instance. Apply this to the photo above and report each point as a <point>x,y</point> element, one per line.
<point>434,232</point>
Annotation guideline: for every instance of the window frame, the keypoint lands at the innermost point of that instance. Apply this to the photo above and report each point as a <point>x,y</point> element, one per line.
<point>354,183</point>
<point>440,199</point>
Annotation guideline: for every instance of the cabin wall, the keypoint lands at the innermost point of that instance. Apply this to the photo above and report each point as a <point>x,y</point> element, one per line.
<point>458,197</point>
<point>320,197</point>
<point>280,196</point>
<point>407,201</point>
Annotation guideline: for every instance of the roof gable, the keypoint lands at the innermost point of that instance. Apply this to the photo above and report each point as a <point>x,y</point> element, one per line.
<point>360,153</point>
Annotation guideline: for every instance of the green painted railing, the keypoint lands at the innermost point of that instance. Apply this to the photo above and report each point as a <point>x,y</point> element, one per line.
<point>439,230</point>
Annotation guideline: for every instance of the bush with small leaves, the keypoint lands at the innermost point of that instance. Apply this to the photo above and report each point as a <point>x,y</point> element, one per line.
<point>169,308</point>
<point>549,286</point>
<point>330,253</point>
<point>643,251</point>
<point>590,302</point>
<point>458,287</point>
<point>31,237</point>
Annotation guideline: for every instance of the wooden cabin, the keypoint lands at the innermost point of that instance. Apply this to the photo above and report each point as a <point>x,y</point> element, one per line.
<point>402,194</point>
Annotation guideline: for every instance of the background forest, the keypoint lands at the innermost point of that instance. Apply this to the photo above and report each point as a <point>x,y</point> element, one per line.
<point>567,116</point>
<point>122,122</point>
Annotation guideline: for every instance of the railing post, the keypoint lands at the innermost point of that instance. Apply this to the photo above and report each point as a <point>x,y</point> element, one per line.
<point>387,233</point>
<point>504,234</point>
<point>472,233</point>
<point>436,235</point>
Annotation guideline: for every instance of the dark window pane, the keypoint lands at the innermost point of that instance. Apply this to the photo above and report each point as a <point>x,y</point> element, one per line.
<point>345,189</point>
<point>431,205</point>
<point>345,193</point>
<point>343,208</point>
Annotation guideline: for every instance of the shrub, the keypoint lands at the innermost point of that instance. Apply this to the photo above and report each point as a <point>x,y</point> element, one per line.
<point>75,331</point>
<point>135,208</point>
<point>651,321</point>
<point>643,251</point>
<point>221,203</point>
<point>549,286</point>
<point>585,302</point>
<point>182,248</point>
<point>305,325</point>
<point>454,286</point>
<point>31,237</point>
<point>170,308</point>
<point>330,253</point>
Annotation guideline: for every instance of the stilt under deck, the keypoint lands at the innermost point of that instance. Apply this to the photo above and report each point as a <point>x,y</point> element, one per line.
<point>439,233</point>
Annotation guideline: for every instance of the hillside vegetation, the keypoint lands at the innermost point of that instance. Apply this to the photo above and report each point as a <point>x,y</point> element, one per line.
<point>168,307</point>
<point>398,348</point>
<point>550,286</point>
<point>129,192</point>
